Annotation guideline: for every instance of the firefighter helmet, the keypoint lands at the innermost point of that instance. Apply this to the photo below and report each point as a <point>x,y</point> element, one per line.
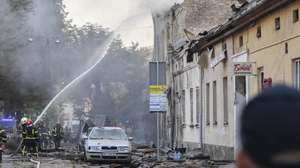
<point>24,120</point>
<point>29,122</point>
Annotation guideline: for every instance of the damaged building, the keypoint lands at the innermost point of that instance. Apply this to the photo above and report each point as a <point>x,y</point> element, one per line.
<point>220,54</point>
<point>174,30</point>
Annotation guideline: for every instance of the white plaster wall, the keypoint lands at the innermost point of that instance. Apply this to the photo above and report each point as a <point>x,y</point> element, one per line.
<point>219,134</point>
<point>191,80</point>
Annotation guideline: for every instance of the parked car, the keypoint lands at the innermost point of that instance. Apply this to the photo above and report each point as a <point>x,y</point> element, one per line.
<point>109,144</point>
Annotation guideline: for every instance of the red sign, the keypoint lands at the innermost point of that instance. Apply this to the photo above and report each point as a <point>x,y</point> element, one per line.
<point>245,68</point>
<point>267,83</point>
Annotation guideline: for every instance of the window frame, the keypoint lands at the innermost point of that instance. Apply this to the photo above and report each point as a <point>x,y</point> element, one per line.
<point>207,104</point>
<point>215,103</point>
<point>241,41</point>
<point>224,48</point>
<point>296,64</point>
<point>198,105</point>
<point>277,23</point>
<point>258,32</point>
<point>286,48</point>
<point>225,101</point>
<point>295,15</point>
<point>189,57</point>
<point>261,77</point>
<point>183,106</point>
<point>192,105</point>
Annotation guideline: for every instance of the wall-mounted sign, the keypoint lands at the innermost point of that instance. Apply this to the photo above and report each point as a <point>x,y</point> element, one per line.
<point>243,68</point>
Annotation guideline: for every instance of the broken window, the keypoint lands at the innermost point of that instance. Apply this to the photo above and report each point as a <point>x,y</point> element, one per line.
<point>190,56</point>
<point>258,33</point>
<point>277,23</point>
<point>295,15</point>
<point>212,52</point>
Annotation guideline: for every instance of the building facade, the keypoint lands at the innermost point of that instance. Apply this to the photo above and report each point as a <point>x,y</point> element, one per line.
<point>255,49</point>
<point>218,57</point>
<point>174,30</point>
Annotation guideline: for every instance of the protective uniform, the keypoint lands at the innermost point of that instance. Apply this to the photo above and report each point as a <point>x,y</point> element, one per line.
<point>3,140</point>
<point>44,136</point>
<point>3,136</point>
<point>57,135</point>
<point>30,138</point>
<point>23,124</point>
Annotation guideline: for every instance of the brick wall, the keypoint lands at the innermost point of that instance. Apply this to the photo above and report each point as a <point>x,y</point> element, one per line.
<point>201,15</point>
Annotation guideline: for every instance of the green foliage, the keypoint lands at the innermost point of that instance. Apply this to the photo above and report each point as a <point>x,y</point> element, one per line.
<point>36,64</point>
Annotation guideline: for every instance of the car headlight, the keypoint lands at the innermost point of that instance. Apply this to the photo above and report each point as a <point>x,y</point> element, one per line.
<point>123,148</point>
<point>95,148</point>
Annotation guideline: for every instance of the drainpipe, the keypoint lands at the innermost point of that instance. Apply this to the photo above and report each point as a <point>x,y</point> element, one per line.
<point>202,109</point>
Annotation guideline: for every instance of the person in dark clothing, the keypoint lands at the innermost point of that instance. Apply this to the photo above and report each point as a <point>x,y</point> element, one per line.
<point>44,136</point>
<point>30,138</point>
<point>3,140</point>
<point>57,135</point>
<point>270,134</point>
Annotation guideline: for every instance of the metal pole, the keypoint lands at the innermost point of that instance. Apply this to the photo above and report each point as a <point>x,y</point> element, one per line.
<point>158,136</point>
<point>157,115</point>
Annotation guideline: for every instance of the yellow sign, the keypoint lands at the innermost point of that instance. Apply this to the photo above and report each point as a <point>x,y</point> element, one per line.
<point>157,89</point>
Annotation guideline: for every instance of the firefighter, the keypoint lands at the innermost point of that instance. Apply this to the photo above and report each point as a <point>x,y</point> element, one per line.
<point>30,138</point>
<point>43,134</point>
<point>57,135</point>
<point>23,123</point>
<point>3,140</point>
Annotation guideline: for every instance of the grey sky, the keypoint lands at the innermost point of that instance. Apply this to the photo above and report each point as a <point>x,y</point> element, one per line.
<point>110,13</point>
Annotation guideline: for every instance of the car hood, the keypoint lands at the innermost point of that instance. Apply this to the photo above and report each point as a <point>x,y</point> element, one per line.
<point>104,142</point>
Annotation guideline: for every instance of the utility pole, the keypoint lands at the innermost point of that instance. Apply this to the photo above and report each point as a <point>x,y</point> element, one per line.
<point>158,96</point>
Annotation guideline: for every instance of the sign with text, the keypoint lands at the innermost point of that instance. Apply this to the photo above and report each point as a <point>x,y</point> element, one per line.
<point>158,98</point>
<point>157,87</point>
<point>243,68</point>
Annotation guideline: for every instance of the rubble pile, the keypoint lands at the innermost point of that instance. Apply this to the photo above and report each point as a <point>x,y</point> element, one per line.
<point>145,157</point>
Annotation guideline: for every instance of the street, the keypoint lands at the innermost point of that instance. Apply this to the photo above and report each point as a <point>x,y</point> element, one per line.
<point>149,83</point>
<point>142,157</point>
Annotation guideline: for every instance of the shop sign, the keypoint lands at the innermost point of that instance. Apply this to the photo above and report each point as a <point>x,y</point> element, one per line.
<point>243,68</point>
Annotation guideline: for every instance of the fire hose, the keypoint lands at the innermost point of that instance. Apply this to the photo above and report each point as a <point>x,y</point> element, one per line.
<point>35,162</point>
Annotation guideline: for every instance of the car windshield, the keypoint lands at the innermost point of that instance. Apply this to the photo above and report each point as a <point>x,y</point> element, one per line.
<point>111,134</point>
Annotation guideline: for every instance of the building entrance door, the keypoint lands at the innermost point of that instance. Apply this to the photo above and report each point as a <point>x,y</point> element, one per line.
<point>239,103</point>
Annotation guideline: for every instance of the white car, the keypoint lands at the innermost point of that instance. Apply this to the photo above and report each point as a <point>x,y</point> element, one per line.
<point>107,144</point>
